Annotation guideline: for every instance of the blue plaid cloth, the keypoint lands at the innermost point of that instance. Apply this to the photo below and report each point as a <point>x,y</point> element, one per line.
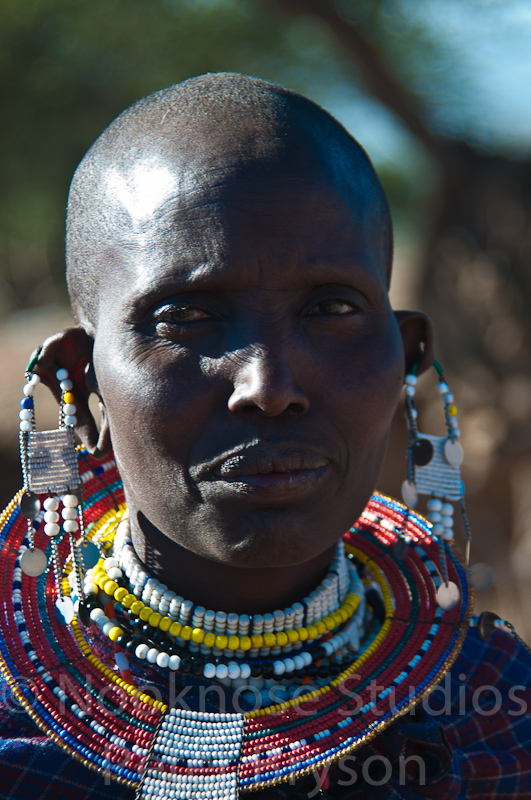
<point>472,737</point>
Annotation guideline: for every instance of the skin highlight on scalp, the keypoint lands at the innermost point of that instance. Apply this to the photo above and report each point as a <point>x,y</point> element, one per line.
<point>226,126</point>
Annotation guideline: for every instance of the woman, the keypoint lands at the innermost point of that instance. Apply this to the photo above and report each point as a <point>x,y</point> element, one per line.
<point>229,252</point>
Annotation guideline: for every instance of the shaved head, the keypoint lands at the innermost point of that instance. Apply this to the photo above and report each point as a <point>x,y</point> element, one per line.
<point>192,140</point>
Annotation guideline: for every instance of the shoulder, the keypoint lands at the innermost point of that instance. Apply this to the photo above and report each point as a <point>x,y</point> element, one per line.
<point>32,765</point>
<point>484,707</point>
<point>470,738</point>
<point>14,719</point>
<point>490,678</point>
<point>500,661</point>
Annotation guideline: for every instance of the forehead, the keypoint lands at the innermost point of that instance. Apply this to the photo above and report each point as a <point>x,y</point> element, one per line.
<point>232,222</point>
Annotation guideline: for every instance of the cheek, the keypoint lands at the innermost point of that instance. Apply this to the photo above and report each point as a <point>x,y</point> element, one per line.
<point>363,397</point>
<point>363,380</point>
<point>154,403</point>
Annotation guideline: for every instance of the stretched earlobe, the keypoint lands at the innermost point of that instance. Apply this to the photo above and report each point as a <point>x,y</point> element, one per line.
<point>98,447</point>
<point>418,339</point>
<point>72,349</point>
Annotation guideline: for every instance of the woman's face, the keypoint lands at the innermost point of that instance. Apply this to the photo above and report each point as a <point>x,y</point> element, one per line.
<point>250,364</point>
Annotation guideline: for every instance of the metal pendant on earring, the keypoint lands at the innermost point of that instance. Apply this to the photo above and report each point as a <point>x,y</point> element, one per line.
<point>52,466</point>
<point>434,474</point>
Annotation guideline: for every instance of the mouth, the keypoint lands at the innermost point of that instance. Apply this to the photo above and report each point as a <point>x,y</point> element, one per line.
<point>271,472</point>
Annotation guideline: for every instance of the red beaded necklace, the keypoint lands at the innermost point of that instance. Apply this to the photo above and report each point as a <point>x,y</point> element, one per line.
<point>77,697</point>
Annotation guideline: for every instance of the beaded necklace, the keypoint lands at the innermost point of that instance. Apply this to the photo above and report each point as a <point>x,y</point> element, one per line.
<point>252,656</point>
<point>104,714</point>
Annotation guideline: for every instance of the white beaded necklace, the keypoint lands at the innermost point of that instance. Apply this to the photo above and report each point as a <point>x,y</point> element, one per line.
<point>327,597</point>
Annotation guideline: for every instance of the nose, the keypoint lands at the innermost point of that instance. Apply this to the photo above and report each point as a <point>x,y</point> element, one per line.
<point>265,381</point>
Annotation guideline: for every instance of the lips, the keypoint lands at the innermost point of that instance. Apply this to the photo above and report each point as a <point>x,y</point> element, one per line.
<point>268,472</point>
<point>268,461</point>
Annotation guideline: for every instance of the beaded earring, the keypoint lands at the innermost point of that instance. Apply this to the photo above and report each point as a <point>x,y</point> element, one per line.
<point>433,469</point>
<point>50,466</point>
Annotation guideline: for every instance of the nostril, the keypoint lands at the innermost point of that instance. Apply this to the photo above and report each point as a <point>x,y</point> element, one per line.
<point>271,404</point>
<point>242,405</point>
<point>266,385</point>
<point>296,408</point>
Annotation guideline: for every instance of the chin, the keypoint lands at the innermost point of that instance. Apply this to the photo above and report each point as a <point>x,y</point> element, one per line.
<point>273,539</point>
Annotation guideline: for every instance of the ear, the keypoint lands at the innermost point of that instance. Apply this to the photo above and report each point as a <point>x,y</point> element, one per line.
<point>71,349</point>
<point>418,338</point>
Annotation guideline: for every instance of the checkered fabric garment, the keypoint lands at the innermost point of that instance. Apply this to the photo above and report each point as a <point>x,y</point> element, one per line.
<point>473,735</point>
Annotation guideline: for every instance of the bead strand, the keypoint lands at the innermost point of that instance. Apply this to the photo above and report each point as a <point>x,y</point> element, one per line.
<point>222,644</point>
<point>101,579</point>
<point>142,582</point>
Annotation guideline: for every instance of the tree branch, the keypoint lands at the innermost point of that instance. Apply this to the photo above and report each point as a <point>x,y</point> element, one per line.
<point>375,74</point>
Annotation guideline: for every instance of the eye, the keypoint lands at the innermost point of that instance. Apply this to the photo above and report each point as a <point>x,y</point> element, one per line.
<point>180,314</point>
<point>333,308</point>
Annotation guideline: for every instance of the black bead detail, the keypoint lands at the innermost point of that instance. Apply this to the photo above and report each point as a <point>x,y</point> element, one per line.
<point>422,452</point>
<point>374,600</point>
<point>84,612</point>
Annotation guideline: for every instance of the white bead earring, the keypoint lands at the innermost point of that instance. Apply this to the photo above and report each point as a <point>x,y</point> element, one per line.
<point>433,469</point>
<point>50,467</point>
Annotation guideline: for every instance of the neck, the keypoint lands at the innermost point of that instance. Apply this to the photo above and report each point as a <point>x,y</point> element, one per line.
<point>223,587</point>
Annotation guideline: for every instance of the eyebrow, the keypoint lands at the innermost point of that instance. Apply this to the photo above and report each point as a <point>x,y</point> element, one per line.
<point>213,277</point>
